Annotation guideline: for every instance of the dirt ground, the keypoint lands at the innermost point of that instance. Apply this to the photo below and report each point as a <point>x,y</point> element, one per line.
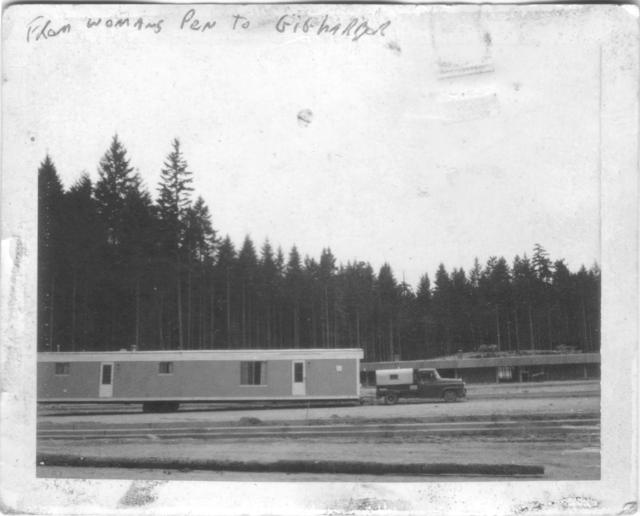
<point>565,455</point>
<point>562,460</point>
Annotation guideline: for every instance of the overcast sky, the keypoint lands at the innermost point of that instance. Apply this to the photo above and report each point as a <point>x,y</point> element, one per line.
<point>402,155</point>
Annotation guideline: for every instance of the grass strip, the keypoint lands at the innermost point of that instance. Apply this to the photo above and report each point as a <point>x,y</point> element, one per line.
<point>292,466</point>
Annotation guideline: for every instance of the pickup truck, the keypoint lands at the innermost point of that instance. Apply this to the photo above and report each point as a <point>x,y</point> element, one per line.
<point>392,384</point>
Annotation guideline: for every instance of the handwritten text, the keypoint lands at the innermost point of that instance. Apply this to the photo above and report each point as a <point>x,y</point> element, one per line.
<point>194,21</point>
<point>117,23</point>
<point>41,28</point>
<point>354,29</point>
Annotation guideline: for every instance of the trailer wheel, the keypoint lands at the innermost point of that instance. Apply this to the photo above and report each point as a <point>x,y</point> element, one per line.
<point>450,396</point>
<point>391,398</point>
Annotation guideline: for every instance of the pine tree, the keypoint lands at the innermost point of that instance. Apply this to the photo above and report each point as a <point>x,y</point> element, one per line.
<point>138,243</point>
<point>248,273</point>
<point>267,289</point>
<point>294,293</point>
<point>476,302</point>
<point>117,184</point>
<point>442,309</point>
<point>461,309</point>
<point>423,305</point>
<point>173,204</point>
<point>360,295</point>
<point>406,329</point>
<point>200,237</point>
<point>116,178</point>
<point>542,264</point>
<point>82,245</point>
<point>499,295</point>
<point>327,270</point>
<point>50,231</point>
<point>524,280</point>
<point>544,273</point>
<point>388,296</point>
<point>312,296</point>
<point>561,295</point>
<point>225,270</point>
<point>199,242</point>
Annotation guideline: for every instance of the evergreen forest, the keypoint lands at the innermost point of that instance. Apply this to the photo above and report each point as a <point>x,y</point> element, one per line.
<point>122,268</point>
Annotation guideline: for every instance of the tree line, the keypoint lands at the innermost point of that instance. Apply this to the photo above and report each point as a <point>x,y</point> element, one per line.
<point>119,269</point>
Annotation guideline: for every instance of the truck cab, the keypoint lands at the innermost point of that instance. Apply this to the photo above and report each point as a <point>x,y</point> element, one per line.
<point>392,384</point>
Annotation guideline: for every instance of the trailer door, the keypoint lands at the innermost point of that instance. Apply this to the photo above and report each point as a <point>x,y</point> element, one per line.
<point>106,380</point>
<point>299,379</point>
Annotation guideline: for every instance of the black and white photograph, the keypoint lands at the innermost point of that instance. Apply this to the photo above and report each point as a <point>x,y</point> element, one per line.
<point>319,259</point>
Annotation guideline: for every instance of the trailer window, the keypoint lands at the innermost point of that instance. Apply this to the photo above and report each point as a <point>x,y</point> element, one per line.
<point>165,368</point>
<point>253,373</point>
<point>62,368</point>
<point>393,377</point>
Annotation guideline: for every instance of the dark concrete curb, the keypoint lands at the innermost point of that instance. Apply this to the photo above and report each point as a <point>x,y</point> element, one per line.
<point>293,466</point>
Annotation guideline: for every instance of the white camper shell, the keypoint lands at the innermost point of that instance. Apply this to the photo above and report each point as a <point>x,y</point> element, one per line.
<point>394,377</point>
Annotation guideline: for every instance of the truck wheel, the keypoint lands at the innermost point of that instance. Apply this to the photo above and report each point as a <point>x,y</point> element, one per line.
<point>391,398</point>
<point>450,396</point>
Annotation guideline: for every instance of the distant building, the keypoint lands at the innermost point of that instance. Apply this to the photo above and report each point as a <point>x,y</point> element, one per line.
<point>505,368</point>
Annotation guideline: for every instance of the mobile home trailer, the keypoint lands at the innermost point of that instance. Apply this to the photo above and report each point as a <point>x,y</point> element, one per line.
<point>161,380</point>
